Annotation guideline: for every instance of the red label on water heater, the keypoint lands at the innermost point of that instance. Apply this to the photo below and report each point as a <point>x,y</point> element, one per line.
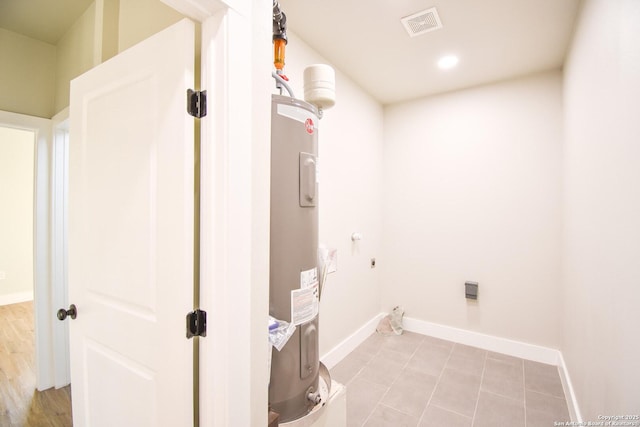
<point>308,124</point>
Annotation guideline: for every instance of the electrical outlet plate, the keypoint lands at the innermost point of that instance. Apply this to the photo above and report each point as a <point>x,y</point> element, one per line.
<point>332,259</point>
<point>3,275</point>
<point>328,258</point>
<point>471,290</point>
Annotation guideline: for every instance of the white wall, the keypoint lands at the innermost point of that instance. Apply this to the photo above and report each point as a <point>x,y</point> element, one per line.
<point>601,255</point>
<point>350,152</point>
<point>140,19</point>
<point>27,67</point>
<point>16,214</point>
<point>472,187</point>
<point>75,54</point>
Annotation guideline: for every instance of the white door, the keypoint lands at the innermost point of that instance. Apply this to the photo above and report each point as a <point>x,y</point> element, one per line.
<point>131,208</point>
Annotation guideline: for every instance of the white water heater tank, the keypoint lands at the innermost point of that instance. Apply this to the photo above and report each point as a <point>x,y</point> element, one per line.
<point>320,86</point>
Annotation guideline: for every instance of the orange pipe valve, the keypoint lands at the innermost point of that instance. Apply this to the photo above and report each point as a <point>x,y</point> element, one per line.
<point>278,53</point>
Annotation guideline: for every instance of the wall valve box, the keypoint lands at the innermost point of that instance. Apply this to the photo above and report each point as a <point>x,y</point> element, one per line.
<point>471,290</point>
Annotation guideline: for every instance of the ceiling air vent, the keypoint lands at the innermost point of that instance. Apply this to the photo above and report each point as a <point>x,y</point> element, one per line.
<point>422,22</point>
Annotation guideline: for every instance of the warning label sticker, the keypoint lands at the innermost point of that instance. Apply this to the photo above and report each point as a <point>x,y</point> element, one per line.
<point>305,301</point>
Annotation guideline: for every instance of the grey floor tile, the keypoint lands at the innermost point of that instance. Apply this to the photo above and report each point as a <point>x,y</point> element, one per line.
<point>544,410</point>
<point>470,364</point>
<point>498,411</point>
<point>516,361</point>
<point>367,352</point>
<point>542,378</point>
<point>372,344</point>
<point>410,392</point>
<point>468,351</point>
<point>407,343</point>
<point>467,359</point>
<point>349,367</point>
<point>394,355</point>
<point>412,380</point>
<point>381,370</point>
<point>438,417</point>
<point>430,358</point>
<point>505,370</point>
<point>503,378</point>
<point>510,389</point>
<point>437,342</point>
<point>362,398</point>
<point>457,391</point>
<point>384,416</point>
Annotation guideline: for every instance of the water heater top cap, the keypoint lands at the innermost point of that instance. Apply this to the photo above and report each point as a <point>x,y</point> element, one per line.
<point>320,85</point>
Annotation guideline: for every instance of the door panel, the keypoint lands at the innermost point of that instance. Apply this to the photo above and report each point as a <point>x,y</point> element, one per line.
<point>131,187</point>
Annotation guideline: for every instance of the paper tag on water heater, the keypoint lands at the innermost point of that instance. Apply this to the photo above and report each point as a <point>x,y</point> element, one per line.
<point>308,278</point>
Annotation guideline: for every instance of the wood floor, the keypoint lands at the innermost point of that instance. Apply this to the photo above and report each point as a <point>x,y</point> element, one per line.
<point>21,405</point>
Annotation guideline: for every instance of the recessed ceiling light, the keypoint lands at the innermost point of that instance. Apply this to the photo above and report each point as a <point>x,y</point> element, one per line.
<point>447,62</point>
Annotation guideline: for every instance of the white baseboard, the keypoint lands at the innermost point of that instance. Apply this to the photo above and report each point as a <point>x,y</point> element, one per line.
<point>519,349</point>
<point>572,402</point>
<point>339,352</point>
<point>16,297</point>
<point>487,342</point>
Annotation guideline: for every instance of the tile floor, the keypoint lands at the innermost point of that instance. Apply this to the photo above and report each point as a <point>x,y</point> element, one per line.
<point>416,380</point>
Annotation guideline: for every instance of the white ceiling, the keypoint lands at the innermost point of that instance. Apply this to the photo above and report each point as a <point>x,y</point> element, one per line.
<point>45,20</point>
<point>494,40</point>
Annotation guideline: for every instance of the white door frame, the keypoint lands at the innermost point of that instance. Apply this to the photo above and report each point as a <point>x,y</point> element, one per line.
<point>43,309</point>
<point>59,202</point>
<point>235,174</point>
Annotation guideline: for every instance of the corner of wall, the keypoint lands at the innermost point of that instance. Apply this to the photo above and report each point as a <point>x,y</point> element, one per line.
<point>350,163</point>
<point>75,54</point>
<point>601,232</point>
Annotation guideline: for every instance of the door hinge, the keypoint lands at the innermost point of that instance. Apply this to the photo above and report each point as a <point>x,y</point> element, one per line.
<point>197,103</point>
<point>197,324</point>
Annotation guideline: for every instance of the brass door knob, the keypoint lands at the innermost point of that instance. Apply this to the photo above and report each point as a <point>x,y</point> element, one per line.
<point>72,312</point>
